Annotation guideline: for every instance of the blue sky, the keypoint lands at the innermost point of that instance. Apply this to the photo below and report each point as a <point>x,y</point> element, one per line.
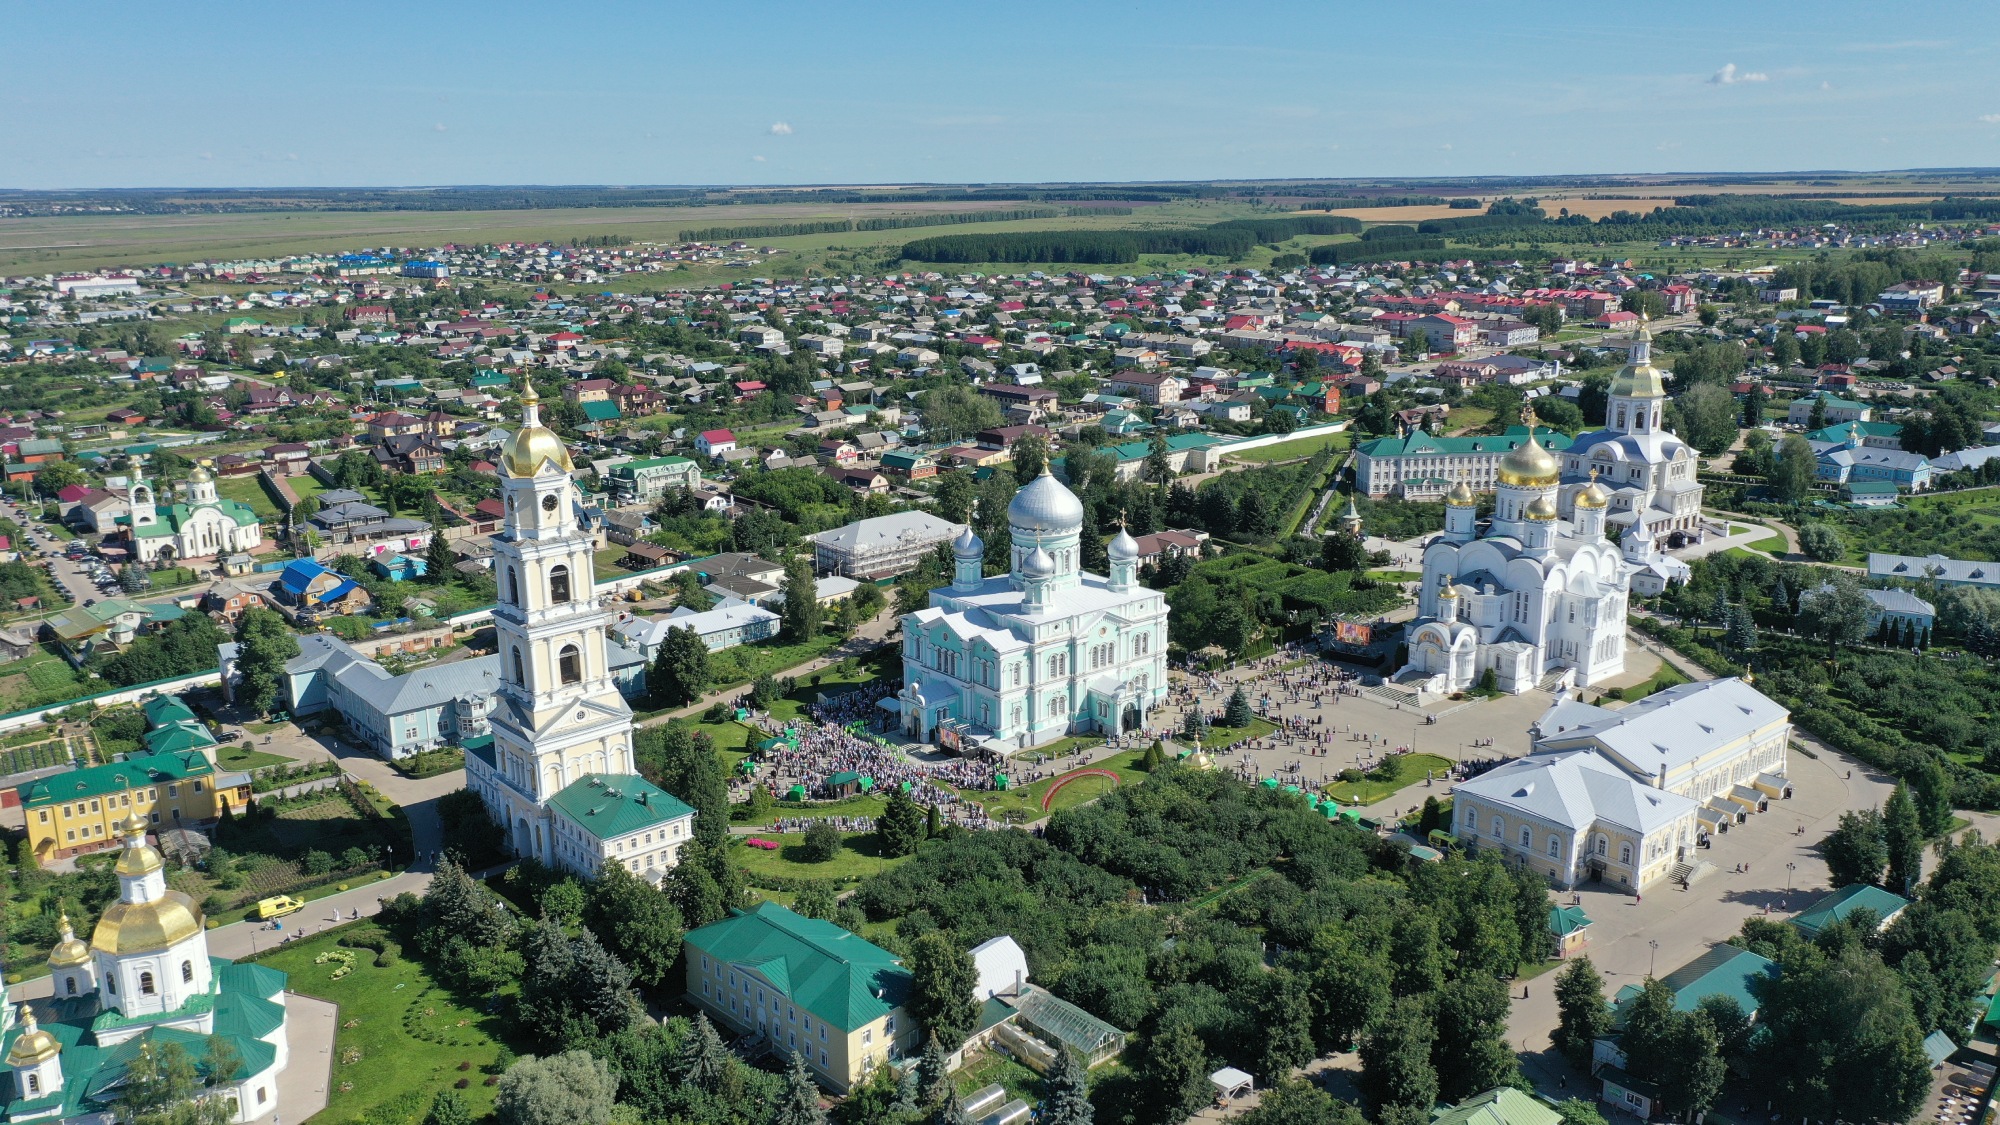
<point>743,92</point>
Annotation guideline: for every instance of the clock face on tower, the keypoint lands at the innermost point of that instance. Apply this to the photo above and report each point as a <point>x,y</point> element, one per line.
<point>549,502</point>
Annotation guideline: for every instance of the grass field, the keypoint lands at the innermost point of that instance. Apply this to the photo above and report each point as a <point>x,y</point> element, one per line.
<point>39,679</point>
<point>1025,804</point>
<point>1369,792</point>
<point>248,490</point>
<point>859,857</point>
<point>1295,450</point>
<point>400,1037</point>
<point>241,756</point>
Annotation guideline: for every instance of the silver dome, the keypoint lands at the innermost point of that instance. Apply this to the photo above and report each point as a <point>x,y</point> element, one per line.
<point>1044,505</point>
<point>1039,564</point>
<point>1123,547</point>
<point>967,544</point>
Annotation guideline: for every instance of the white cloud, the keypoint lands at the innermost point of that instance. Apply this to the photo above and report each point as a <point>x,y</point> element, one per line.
<point>208,156</point>
<point>1730,76</point>
<point>757,159</point>
<point>1666,146</point>
<point>781,129</point>
<point>1444,148</point>
<point>1990,118</point>
<point>291,156</point>
<point>439,126</point>
<point>1826,85</point>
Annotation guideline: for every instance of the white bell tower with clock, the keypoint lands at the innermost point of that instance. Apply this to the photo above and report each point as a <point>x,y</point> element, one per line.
<point>559,715</point>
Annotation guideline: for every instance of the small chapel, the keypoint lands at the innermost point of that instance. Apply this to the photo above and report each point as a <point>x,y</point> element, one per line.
<point>144,980</point>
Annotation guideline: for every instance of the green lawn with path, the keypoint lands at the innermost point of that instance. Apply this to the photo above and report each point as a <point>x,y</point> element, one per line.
<point>401,1036</point>
<point>1369,792</point>
<point>1025,803</point>
<point>1220,736</point>
<point>248,490</point>
<point>241,756</point>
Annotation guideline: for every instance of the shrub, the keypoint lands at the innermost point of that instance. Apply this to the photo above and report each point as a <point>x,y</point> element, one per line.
<point>822,842</point>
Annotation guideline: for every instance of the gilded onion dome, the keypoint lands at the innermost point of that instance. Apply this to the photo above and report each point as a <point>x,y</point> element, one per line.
<point>1461,495</point>
<point>1449,588</point>
<point>1540,508</point>
<point>1594,495</point>
<point>70,951</point>
<point>34,1045</point>
<point>1528,465</point>
<point>1639,378</point>
<point>533,445</point>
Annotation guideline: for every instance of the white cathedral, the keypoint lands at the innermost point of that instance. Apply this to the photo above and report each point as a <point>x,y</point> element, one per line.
<point>1534,597</point>
<point>1047,650</point>
<point>558,772</point>
<point>1648,471</point>
<point>145,980</point>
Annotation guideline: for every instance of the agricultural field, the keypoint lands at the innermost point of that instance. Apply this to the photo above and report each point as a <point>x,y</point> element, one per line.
<point>39,679</point>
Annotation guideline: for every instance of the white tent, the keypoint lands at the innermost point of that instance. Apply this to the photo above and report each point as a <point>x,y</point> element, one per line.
<point>1001,965</point>
<point>1230,1082</point>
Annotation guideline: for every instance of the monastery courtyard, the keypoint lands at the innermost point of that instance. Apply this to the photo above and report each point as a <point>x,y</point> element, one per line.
<point>1630,937</point>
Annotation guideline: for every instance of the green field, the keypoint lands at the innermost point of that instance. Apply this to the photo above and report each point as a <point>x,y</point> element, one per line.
<point>400,1036</point>
<point>859,857</point>
<point>1369,792</point>
<point>248,490</point>
<point>240,756</point>
<point>1296,450</point>
<point>39,679</point>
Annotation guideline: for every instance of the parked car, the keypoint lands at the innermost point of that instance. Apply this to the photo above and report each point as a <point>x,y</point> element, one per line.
<point>230,736</point>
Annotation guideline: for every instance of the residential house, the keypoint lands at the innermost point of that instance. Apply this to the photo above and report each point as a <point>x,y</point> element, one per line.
<point>715,443</point>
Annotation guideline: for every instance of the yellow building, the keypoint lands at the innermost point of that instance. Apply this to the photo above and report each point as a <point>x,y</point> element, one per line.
<point>75,812</point>
<point>793,983</point>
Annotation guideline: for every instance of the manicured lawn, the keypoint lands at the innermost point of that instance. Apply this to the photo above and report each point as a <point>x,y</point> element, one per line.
<point>240,756</point>
<point>1395,575</point>
<point>248,490</point>
<point>1025,803</point>
<point>859,857</point>
<point>1219,736</point>
<point>606,563</point>
<point>400,1035</point>
<point>864,804</point>
<point>1774,545</point>
<point>1294,450</point>
<point>1369,792</point>
<point>305,485</point>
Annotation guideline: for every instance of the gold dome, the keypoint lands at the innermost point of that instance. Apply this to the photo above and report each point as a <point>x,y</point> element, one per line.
<point>70,951</point>
<point>1639,378</point>
<point>146,927</point>
<point>1460,494</point>
<point>1529,465</point>
<point>533,445</point>
<point>34,1045</point>
<point>200,475</point>
<point>1594,495</point>
<point>138,858</point>
<point>1541,508</point>
<point>1449,589</point>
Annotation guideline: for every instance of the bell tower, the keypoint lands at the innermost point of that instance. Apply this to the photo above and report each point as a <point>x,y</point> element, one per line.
<point>139,500</point>
<point>559,715</point>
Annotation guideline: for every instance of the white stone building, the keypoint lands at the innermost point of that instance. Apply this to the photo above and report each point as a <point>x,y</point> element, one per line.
<point>1650,472</point>
<point>202,526</point>
<point>1045,651</point>
<point>1533,596</point>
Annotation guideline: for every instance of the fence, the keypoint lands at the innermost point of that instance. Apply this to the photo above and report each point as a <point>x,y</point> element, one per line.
<point>16,720</point>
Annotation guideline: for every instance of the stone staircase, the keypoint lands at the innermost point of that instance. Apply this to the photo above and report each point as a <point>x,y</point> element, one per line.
<point>1390,695</point>
<point>1548,683</point>
<point>1690,873</point>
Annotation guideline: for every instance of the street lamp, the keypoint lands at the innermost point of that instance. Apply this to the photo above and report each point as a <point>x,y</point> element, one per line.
<point>1789,869</point>
<point>1654,960</point>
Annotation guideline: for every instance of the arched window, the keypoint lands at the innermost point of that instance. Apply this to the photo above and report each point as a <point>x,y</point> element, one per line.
<point>1624,853</point>
<point>513,588</point>
<point>1555,848</point>
<point>558,584</point>
<point>111,983</point>
<point>520,670</point>
<point>187,972</point>
<point>34,1083</point>
<point>146,984</point>
<point>69,986</point>
<point>1524,837</point>
<point>571,663</point>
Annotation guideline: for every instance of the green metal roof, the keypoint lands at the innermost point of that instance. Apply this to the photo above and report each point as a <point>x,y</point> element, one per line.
<point>1566,920</point>
<point>607,804</point>
<point>630,469</point>
<point>1420,443</point>
<point>166,709</point>
<point>1839,430</point>
<point>1725,970</point>
<point>1502,1106</point>
<point>836,975</point>
<point>1845,901</point>
<point>116,777</point>
<point>605,411</point>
